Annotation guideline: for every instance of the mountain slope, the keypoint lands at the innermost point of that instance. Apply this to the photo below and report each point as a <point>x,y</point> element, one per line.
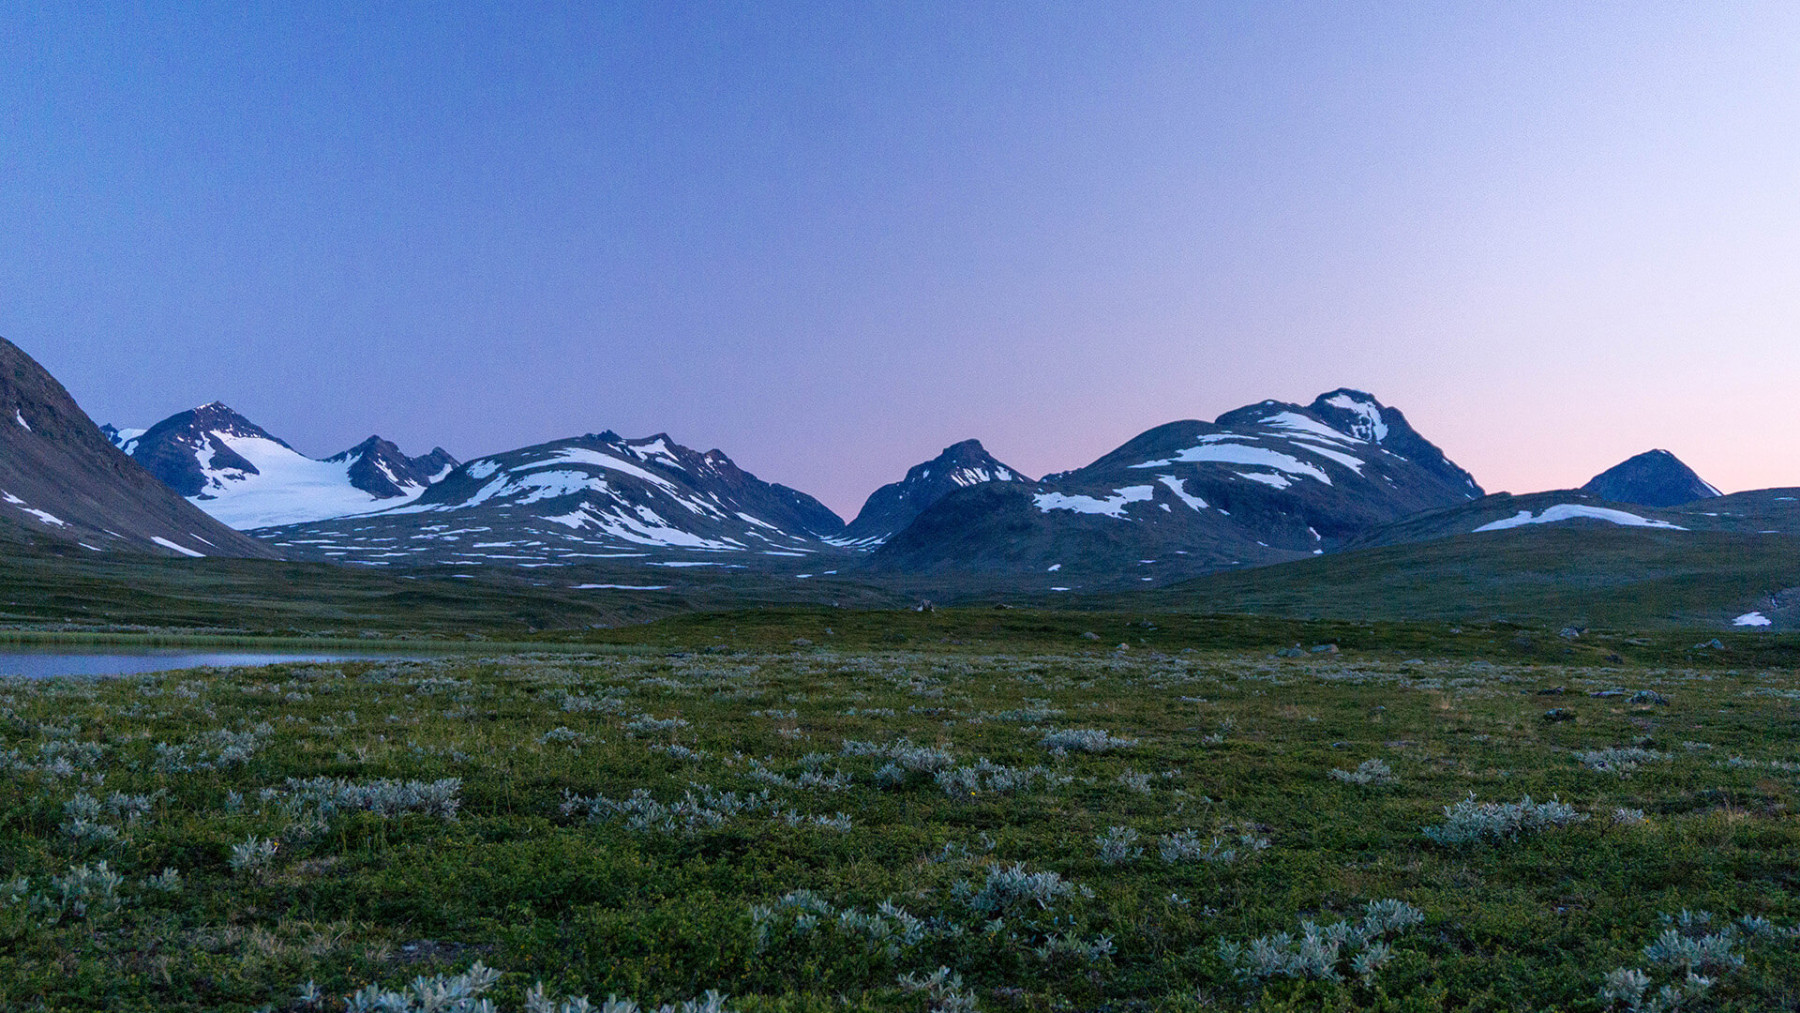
<point>243,476</point>
<point>892,507</point>
<point>61,478</point>
<point>1262,484</point>
<point>595,496</point>
<point>1655,478</point>
<point>1555,575</point>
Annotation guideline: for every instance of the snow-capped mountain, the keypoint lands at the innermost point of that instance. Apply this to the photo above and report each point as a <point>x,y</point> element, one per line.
<point>243,476</point>
<point>378,468</point>
<point>1655,478</point>
<point>892,507</point>
<point>1265,483</point>
<point>62,479</point>
<point>595,496</point>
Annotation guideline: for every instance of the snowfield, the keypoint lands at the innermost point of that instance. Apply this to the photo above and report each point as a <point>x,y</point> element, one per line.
<point>1575,511</point>
<point>288,488</point>
<point>1112,506</point>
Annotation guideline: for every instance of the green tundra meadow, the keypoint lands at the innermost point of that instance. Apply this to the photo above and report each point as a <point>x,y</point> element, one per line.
<point>937,824</point>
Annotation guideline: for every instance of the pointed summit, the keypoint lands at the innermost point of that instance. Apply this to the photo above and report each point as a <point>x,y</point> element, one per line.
<point>1655,478</point>
<point>892,507</point>
<point>379,468</point>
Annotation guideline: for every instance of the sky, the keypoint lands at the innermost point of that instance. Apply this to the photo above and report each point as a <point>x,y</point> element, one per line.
<point>832,239</point>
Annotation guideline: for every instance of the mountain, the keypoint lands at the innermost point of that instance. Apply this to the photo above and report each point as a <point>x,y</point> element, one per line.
<point>378,468</point>
<point>1261,484</point>
<point>894,506</point>
<point>598,496</point>
<point>243,476</point>
<point>62,479</point>
<point>1655,478</point>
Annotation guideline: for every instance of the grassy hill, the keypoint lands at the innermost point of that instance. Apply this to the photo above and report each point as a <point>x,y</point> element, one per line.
<point>1588,574</point>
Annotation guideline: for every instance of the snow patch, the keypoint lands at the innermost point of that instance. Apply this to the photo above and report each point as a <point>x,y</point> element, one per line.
<point>1751,619</point>
<point>1575,511</point>
<point>1178,487</point>
<point>1239,453</point>
<point>1111,506</point>
<point>19,417</point>
<point>184,550</point>
<point>1276,481</point>
<point>1372,427</point>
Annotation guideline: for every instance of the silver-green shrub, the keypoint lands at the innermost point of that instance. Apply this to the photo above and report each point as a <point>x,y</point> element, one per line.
<point>1325,952</point>
<point>1083,740</point>
<point>1471,822</point>
<point>1367,773</point>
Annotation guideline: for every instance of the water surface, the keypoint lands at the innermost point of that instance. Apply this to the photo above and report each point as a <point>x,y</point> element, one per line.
<point>91,661</point>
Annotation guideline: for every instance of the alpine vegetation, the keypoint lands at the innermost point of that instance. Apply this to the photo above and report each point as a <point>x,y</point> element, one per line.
<point>1118,846</point>
<point>1083,740</point>
<point>253,856</point>
<point>889,929</point>
<point>1471,822</point>
<point>201,842</point>
<point>1010,888</point>
<point>1188,846</point>
<point>986,776</point>
<point>463,993</point>
<point>1691,955</point>
<point>1367,773</point>
<point>1325,952</point>
<point>89,892</point>
<point>327,796</point>
<point>943,991</point>
<point>1621,760</point>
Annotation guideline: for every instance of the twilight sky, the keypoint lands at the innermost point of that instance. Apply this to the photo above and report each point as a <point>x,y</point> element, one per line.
<point>833,238</point>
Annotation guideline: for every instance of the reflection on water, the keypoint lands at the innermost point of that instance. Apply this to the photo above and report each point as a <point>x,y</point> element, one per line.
<point>101,662</point>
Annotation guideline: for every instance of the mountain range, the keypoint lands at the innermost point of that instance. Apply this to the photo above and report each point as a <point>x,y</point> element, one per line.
<point>1264,484</point>
<point>234,470</point>
<point>62,481</point>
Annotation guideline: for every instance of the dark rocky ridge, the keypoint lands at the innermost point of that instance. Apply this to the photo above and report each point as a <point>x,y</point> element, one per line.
<point>379,468</point>
<point>1655,478</point>
<point>892,507</point>
<point>55,461</point>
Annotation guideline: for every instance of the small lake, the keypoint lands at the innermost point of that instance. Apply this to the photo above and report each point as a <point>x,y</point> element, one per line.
<point>50,663</point>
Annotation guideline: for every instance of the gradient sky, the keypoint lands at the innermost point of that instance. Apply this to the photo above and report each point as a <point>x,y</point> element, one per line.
<point>833,238</point>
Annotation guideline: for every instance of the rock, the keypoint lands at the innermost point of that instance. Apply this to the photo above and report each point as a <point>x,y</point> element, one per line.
<point>1556,714</point>
<point>1650,696</point>
<point>1325,649</point>
<point>1553,691</point>
<point>1572,632</point>
<point>1090,635</point>
<point>801,642</point>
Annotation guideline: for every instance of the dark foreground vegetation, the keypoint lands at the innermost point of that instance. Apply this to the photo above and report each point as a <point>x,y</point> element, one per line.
<point>818,810</point>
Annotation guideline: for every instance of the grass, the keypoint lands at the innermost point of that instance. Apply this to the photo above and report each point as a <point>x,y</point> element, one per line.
<point>1581,575</point>
<point>994,812</point>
